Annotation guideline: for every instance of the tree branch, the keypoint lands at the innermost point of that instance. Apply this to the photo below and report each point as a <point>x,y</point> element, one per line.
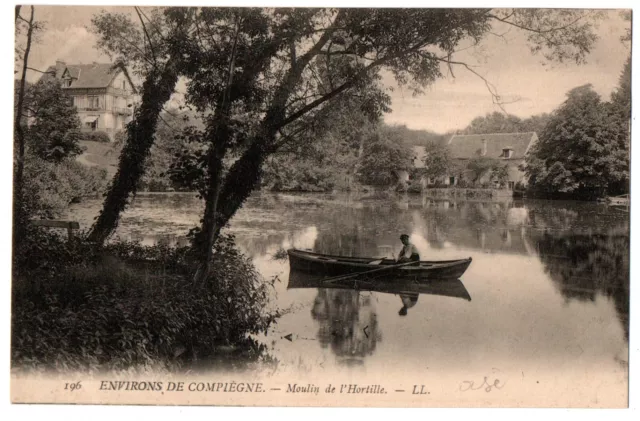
<point>51,72</point>
<point>349,83</point>
<point>152,24</point>
<point>146,34</point>
<point>530,29</point>
<point>496,99</point>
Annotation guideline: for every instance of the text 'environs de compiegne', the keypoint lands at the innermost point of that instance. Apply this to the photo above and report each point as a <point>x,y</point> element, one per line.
<point>158,386</point>
<point>235,387</point>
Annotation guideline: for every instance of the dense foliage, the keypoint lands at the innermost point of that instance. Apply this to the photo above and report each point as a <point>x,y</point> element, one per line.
<point>506,123</point>
<point>53,132</point>
<point>583,150</point>
<point>621,97</point>
<point>170,143</point>
<point>98,136</point>
<point>481,169</point>
<point>51,187</point>
<point>329,158</point>
<point>437,161</point>
<point>129,307</point>
<point>384,155</point>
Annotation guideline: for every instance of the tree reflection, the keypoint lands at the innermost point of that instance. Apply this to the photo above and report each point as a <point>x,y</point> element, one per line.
<point>583,266</point>
<point>348,322</point>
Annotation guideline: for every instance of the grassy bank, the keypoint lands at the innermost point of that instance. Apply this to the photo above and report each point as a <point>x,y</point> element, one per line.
<point>129,307</point>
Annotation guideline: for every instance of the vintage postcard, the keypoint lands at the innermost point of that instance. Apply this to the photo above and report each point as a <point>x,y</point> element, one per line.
<point>329,207</point>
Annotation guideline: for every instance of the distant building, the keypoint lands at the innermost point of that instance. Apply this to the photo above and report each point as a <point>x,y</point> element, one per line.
<point>102,93</point>
<point>511,148</point>
<point>419,152</point>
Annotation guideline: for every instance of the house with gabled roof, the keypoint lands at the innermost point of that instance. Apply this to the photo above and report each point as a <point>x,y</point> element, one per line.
<point>509,148</point>
<point>103,94</point>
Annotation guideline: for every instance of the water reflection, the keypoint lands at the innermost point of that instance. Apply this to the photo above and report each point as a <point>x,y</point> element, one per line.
<point>346,226</point>
<point>347,323</point>
<point>585,266</point>
<point>550,281</point>
<point>408,301</point>
<point>346,314</point>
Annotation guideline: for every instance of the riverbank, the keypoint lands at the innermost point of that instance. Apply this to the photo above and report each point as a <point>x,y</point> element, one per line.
<point>126,307</point>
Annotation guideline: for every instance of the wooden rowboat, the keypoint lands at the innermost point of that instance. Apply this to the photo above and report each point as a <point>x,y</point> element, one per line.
<point>453,288</point>
<point>331,265</point>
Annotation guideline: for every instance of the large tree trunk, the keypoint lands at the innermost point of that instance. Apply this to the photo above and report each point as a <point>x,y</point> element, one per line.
<point>244,176</point>
<point>156,91</point>
<point>206,238</point>
<point>242,179</point>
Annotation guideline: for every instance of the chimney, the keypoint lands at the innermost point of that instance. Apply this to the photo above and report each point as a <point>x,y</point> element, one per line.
<point>60,66</point>
<point>484,147</point>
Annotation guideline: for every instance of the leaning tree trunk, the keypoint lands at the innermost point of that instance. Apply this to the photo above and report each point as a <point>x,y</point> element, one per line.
<point>206,238</point>
<point>242,179</point>
<point>156,91</point>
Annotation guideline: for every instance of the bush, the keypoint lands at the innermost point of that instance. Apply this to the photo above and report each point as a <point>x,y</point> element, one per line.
<point>415,186</point>
<point>49,188</point>
<point>98,136</point>
<point>120,137</point>
<point>301,176</point>
<point>99,308</point>
<point>463,183</point>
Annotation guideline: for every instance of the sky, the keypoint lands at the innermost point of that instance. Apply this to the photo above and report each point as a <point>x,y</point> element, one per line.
<point>448,104</point>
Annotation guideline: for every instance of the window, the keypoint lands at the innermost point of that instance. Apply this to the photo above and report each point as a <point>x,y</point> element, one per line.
<point>507,152</point>
<point>452,180</point>
<point>91,122</point>
<point>124,85</point>
<point>67,82</point>
<point>512,185</point>
<point>94,102</point>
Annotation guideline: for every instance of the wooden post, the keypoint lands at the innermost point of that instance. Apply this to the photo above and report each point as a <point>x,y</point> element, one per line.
<point>69,225</point>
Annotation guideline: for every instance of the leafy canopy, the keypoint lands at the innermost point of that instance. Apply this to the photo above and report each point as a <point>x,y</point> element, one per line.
<point>583,150</point>
<point>384,155</point>
<point>54,130</point>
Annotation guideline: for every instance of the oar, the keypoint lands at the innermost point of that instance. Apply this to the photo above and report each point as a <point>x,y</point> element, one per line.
<point>353,275</point>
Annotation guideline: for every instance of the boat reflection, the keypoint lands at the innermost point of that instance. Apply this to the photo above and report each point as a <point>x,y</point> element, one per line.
<point>401,286</point>
<point>347,317</point>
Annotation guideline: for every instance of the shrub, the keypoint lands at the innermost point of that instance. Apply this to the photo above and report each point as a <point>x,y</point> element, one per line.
<point>98,136</point>
<point>301,176</point>
<point>415,187</point>
<point>95,309</point>
<point>49,188</point>
<point>401,187</point>
<point>120,137</point>
<point>463,183</point>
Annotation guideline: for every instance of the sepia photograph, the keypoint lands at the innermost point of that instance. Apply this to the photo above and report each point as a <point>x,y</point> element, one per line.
<point>321,206</point>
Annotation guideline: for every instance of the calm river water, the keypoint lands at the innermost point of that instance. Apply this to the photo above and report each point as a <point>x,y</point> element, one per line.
<point>549,288</point>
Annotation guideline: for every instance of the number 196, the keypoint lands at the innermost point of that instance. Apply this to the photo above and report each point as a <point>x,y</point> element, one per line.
<point>72,386</point>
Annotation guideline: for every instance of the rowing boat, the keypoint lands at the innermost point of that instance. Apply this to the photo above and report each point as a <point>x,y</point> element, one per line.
<point>332,265</point>
<point>453,288</point>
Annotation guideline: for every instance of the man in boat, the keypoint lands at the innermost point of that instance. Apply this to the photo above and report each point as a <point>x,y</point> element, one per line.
<point>408,301</point>
<point>409,252</point>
